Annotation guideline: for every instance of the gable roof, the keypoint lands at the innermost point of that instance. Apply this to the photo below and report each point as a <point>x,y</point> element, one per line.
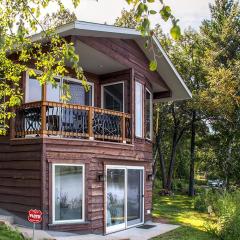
<point>165,67</point>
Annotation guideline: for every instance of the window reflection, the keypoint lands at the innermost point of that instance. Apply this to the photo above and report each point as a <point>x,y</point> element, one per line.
<point>113,97</point>
<point>68,193</point>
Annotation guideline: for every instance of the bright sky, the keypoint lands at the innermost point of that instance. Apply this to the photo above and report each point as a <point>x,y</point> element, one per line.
<point>189,12</point>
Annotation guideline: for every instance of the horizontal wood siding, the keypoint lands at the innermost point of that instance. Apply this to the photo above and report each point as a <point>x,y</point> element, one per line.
<point>126,52</point>
<point>95,155</point>
<point>20,177</point>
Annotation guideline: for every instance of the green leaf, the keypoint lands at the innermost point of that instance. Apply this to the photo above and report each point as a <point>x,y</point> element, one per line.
<point>165,13</point>
<point>152,12</point>
<point>175,32</point>
<point>151,1</point>
<point>75,3</point>
<point>153,65</point>
<point>146,23</point>
<point>146,44</point>
<point>140,10</point>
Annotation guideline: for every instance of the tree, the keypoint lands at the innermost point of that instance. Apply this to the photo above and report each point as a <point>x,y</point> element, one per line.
<point>58,18</point>
<point>187,118</point>
<point>222,64</point>
<point>127,19</point>
<point>19,19</point>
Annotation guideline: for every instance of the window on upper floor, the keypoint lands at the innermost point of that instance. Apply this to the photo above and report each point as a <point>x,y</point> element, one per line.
<point>33,92</point>
<point>54,93</point>
<point>138,109</point>
<point>113,96</point>
<point>148,115</point>
<point>78,93</point>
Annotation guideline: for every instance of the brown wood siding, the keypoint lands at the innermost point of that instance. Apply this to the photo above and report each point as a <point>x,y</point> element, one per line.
<point>95,155</point>
<point>126,52</point>
<point>20,177</point>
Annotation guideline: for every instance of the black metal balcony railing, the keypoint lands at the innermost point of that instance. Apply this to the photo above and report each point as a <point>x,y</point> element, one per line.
<point>71,120</point>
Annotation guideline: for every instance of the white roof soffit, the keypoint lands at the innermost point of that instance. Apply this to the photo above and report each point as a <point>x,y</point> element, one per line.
<point>165,67</point>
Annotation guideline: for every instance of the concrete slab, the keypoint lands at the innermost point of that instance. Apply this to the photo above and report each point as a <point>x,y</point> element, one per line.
<point>129,234</point>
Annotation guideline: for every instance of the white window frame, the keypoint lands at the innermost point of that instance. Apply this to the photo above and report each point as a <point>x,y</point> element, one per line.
<point>124,225</point>
<point>109,84</point>
<point>142,105</point>
<point>61,79</point>
<point>27,85</point>
<point>77,81</point>
<point>151,114</point>
<point>53,194</point>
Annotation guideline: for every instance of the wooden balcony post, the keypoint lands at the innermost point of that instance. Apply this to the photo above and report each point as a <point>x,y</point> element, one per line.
<point>43,110</point>
<point>90,123</point>
<point>123,128</point>
<point>12,126</point>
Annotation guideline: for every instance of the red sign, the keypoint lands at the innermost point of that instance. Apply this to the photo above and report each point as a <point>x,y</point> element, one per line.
<point>34,216</point>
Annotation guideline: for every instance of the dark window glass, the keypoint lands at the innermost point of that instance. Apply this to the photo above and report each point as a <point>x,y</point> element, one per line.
<point>113,97</point>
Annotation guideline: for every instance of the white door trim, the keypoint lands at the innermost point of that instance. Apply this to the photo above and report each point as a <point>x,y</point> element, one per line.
<point>124,225</point>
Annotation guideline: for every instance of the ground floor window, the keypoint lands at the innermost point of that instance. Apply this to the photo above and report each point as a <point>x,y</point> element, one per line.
<point>68,193</point>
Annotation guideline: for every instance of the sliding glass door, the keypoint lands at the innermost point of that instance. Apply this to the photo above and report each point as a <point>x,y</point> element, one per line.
<point>124,197</point>
<point>134,196</point>
<point>115,199</point>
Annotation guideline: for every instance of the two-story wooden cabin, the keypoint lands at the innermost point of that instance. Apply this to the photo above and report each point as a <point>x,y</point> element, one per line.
<point>87,164</point>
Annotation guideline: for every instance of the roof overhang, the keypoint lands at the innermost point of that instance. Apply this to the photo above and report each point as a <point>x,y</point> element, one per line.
<point>166,69</point>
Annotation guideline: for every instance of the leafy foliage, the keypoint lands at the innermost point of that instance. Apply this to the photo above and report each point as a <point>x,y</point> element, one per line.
<point>18,20</point>
<point>58,18</point>
<point>224,206</point>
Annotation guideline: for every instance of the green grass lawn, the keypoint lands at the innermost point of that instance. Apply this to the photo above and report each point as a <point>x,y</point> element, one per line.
<point>9,234</point>
<point>185,233</point>
<point>178,209</point>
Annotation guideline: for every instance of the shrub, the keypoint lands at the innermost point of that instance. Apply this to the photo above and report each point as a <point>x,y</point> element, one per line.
<point>180,186</point>
<point>200,203</point>
<point>205,200</point>
<point>226,208</point>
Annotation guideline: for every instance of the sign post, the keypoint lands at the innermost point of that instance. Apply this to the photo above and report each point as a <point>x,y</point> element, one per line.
<point>34,216</point>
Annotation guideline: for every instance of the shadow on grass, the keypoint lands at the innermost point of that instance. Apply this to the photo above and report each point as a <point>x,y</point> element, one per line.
<point>179,209</point>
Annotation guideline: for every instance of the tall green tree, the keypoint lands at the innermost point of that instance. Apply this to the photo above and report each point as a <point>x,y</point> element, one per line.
<point>58,18</point>
<point>222,64</point>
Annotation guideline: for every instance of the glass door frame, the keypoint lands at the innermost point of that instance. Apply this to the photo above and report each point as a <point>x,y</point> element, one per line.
<point>124,225</point>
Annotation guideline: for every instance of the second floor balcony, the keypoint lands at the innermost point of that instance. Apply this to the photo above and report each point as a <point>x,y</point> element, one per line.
<point>46,118</point>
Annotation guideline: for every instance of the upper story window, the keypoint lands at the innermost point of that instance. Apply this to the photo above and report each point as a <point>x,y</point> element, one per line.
<point>33,90</point>
<point>78,93</point>
<point>138,109</point>
<point>148,114</point>
<point>113,96</point>
<point>54,93</point>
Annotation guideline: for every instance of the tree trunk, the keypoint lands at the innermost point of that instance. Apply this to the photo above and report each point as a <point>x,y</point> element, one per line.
<point>154,168</point>
<point>228,163</point>
<point>161,161</point>
<point>162,165</point>
<point>191,191</point>
<point>172,160</point>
